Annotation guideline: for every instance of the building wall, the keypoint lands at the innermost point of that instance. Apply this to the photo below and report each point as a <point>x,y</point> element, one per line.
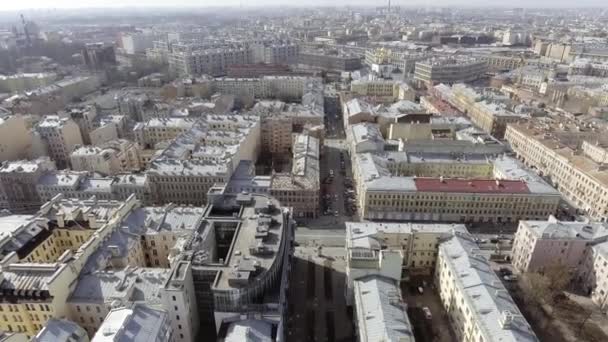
<point>455,207</point>
<point>15,138</point>
<point>532,253</point>
<point>583,191</point>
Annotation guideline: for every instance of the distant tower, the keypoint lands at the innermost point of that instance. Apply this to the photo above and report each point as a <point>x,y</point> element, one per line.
<point>389,6</point>
<point>27,34</point>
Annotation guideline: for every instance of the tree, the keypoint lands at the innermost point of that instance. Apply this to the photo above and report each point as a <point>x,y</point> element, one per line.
<point>559,277</point>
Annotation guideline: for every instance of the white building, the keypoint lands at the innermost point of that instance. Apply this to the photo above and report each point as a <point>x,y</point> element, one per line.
<point>108,159</point>
<point>381,314</point>
<point>134,43</point>
<point>365,137</point>
<point>541,244</point>
<point>61,330</point>
<point>139,323</point>
<point>479,306</point>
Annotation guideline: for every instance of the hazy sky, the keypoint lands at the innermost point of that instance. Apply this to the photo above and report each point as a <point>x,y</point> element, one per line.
<point>20,4</point>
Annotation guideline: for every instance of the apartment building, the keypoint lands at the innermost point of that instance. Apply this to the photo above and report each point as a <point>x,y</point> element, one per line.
<point>580,247</point>
<point>558,153</point>
<point>541,244</point>
<point>32,294</point>
<point>488,110</point>
<point>275,52</point>
<point>210,61</point>
<point>61,136</point>
<point>81,185</point>
<point>18,181</point>
<point>137,42</point>
<point>279,122</point>
<point>392,250</point>
<point>479,306</point>
<point>501,62</point>
<point>402,60</point>
<point>133,104</point>
<point>15,138</point>
<point>97,295</point>
<point>98,56</point>
<point>153,131</point>
<point>110,158</point>
<point>383,89</point>
<point>381,314</point>
<point>204,156</point>
<point>449,70</point>
<point>87,257</point>
<point>449,187</point>
<point>364,137</point>
<point>300,188</point>
<point>139,322</point>
<point>429,127</point>
<point>25,81</point>
<point>332,62</point>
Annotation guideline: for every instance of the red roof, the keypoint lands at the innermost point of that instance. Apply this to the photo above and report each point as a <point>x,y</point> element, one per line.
<point>472,186</point>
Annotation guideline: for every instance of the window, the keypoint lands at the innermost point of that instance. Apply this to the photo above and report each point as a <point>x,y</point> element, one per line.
<point>174,299</point>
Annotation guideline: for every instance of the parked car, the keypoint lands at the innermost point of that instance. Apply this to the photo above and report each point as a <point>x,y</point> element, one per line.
<point>510,278</point>
<point>427,312</point>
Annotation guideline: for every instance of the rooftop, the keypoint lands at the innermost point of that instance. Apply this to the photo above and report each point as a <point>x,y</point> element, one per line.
<point>381,312</point>
<point>140,323</point>
<point>139,285</point>
<point>493,309</point>
<point>60,330</point>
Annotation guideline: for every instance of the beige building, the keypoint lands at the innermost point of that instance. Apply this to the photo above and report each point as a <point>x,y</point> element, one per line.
<point>478,304</point>
<point>488,113</point>
<point>88,257</point>
<point>110,158</point>
<point>300,189</point>
<point>393,250</point>
<point>575,169</point>
<point>156,130</point>
<point>183,174</point>
<point>61,136</point>
<point>15,138</point>
<point>449,187</point>
<point>386,90</point>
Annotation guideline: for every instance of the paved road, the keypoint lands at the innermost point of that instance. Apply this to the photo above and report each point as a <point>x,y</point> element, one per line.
<point>334,149</point>
<point>317,308</point>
